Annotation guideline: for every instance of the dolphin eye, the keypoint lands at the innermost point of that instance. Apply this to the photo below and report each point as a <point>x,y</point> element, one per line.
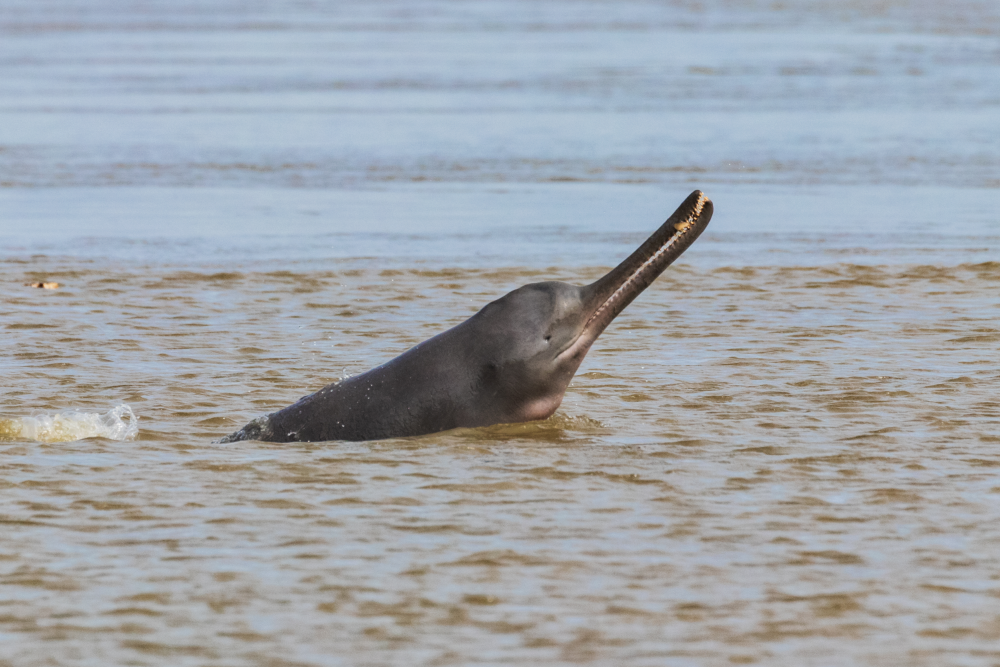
<point>548,338</point>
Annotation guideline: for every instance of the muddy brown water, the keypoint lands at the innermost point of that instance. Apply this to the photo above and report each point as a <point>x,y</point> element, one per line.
<point>785,452</point>
<point>752,462</point>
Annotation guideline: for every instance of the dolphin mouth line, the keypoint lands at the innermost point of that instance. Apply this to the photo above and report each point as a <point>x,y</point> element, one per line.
<point>683,229</point>
<point>681,233</point>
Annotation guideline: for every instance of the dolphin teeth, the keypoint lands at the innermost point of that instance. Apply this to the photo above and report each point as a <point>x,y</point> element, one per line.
<point>690,220</point>
<point>700,205</point>
<point>668,244</point>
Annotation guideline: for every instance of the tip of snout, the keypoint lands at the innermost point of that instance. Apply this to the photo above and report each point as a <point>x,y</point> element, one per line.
<point>696,208</point>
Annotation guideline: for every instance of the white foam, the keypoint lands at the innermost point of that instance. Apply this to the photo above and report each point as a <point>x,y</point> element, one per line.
<point>119,423</point>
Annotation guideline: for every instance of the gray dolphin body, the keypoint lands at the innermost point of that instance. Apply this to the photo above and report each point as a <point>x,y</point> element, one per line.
<point>510,362</point>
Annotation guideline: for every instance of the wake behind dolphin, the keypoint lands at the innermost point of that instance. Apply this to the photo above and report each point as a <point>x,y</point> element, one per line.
<point>510,362</point>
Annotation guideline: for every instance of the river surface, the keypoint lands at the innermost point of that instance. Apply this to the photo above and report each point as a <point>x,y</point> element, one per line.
<point>785,452</point>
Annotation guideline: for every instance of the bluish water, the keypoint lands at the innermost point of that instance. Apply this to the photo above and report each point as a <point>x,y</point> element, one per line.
<point>784,452</point>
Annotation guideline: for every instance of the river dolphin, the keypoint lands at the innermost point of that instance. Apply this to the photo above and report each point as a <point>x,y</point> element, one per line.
<point>510,362</point>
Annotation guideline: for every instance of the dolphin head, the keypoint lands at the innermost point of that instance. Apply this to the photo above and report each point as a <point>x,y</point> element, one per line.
<point>535,338</point>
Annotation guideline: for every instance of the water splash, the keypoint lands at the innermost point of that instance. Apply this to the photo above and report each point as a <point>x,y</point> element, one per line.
<point>119,423</point>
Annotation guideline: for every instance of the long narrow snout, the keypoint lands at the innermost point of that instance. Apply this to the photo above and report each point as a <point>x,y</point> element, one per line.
<point>609,296</point>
